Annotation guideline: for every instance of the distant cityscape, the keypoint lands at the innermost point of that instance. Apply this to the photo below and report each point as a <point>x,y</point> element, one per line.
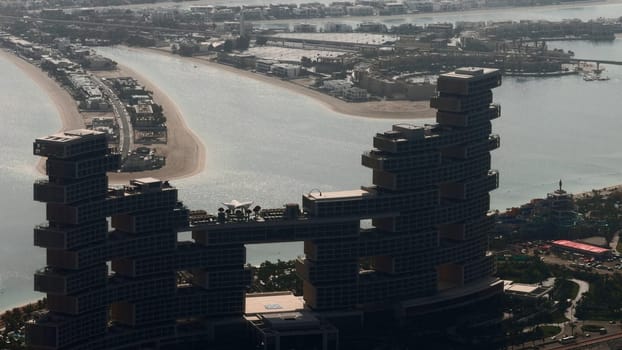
<point>288,10</point>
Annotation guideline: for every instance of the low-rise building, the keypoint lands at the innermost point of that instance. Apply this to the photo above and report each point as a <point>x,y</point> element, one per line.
<point>355,94</point>
<point>305,28</point>
<point>286,70</point>
<point>372,27</point>
<point>98,62</point>
<point>264,66</point>
<point>137,99</point>
<point>360,10</point>
<point>332,27</point>
<point>335,11</point>
<point>581,248</point>
<point>336,87</point>
<point>394,8</point>
<point>237,59</point>
<point>531,292</point>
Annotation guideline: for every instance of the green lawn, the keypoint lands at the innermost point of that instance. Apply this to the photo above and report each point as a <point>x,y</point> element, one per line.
<point>558,317</point>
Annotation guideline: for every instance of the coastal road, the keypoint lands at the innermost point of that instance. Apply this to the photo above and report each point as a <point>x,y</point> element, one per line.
<point>126,140</point>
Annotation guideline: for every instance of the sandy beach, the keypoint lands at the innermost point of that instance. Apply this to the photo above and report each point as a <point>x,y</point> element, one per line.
<point>186,154</point>
<point>384,109</point>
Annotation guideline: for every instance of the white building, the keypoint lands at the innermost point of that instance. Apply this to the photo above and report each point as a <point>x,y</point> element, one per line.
<point>336,87</point>
<point>285,70</point>
<point>264,66</point>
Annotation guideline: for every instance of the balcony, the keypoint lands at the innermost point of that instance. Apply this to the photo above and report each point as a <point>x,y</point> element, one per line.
<point>496,109</point>
<point>85,167</point>
<point>44,191</point>
<point>388,162</point>
<point>69,237</point>
<point>494,142</point>
<point>461,104</point>
<point>48,192</point>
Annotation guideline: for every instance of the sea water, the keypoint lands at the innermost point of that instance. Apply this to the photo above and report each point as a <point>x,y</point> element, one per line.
<point>268,144</point>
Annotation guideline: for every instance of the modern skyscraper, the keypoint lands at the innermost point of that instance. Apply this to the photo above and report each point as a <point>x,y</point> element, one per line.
<point>85,298</point>
<point>414,242</point>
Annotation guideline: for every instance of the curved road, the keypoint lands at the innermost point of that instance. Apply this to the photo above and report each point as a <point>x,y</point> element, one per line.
<point>583,288</point>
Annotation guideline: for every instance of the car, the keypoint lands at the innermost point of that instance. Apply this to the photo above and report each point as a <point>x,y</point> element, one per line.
<point>612,322</point>
<point>586,334</point>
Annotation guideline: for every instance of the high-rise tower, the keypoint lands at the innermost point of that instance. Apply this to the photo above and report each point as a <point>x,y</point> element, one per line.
<point>414,242</point>
<point>428,206</point>
<point>95,301</point>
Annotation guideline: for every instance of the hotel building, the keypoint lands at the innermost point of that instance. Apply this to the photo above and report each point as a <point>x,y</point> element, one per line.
<point>414,242</point>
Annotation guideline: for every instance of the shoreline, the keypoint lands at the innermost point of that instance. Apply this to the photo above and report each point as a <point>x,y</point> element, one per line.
<point>398,109</point>
<point>601,191</point>
<point>186,153</point>
<point>580,3</point>
<point>457,13</point>
<point>66,106</point>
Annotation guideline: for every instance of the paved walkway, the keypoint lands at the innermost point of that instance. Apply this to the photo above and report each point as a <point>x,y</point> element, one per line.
<point>584,287</point>
<point>614,242</point>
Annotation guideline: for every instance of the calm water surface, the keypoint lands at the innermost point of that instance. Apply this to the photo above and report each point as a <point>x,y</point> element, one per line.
<point>27,113</point>
<point>270,145</point>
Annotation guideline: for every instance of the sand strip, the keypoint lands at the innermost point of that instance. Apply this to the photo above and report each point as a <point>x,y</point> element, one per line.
<point>401,109</point>
<point>186,154</point>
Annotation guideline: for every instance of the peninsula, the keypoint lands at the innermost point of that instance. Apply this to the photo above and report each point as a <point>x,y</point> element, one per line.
<point>185,153</point>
